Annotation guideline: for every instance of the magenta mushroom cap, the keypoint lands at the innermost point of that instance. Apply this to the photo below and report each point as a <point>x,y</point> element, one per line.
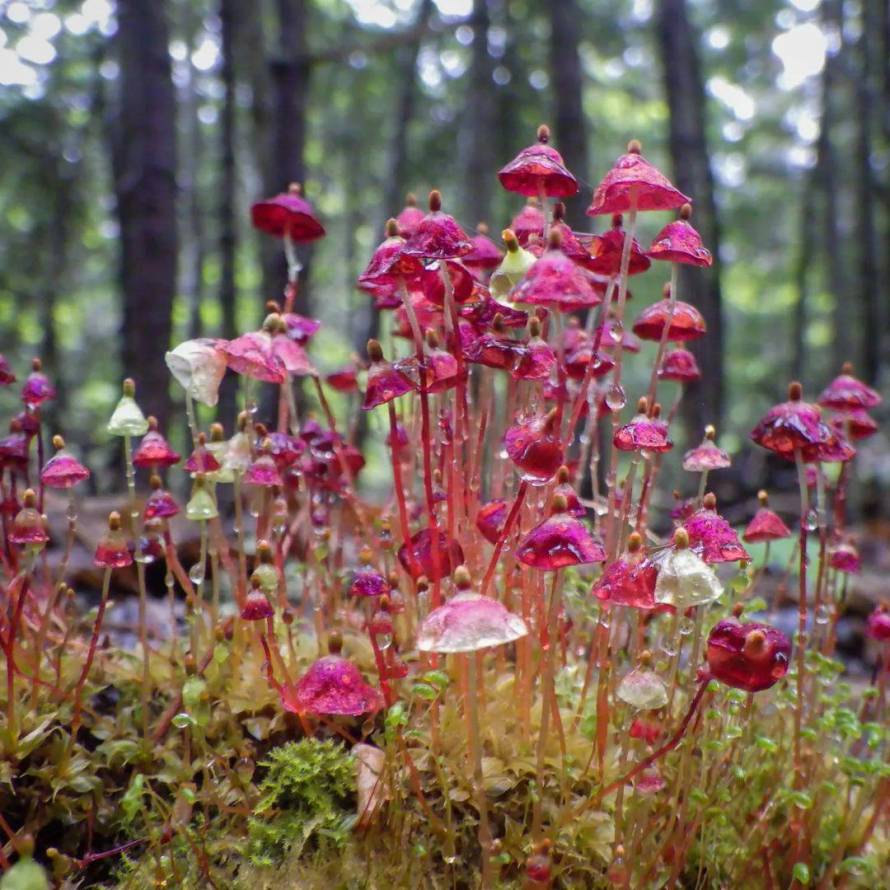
<point>643,434</point>
<point>385,383</point>
<point>634,184</point>
<point>706,457</point>
<point>559,541</point>
<point>765,526</point>
<point>417,556</point>
<point>63,471</point>
<point>713,538</point>
<point>680,366</point>
<point>751,657</point>
<point>846,393</point>
<point>155,451</point>
<point>535,449</point>
<point>679,242</point>
<point>287,213</point>
<point>556,282</point>
<point>536,169</point>
<point>333,686</point>
<point>684,321</point>
<point>626,583</point>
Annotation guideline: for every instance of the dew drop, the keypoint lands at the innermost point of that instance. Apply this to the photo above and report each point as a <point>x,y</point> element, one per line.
<point>196,573</point>
<point>823,614</point>
<point>616,331</point>
<point>686,626</point>
<point>616,398</point>
<point>811,521</point>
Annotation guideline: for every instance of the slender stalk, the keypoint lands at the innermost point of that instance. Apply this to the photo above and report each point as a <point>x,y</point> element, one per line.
<point>472,704</point>
<point>91,654</point>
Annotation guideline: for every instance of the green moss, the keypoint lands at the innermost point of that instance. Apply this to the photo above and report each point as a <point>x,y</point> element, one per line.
<point>307,801</point>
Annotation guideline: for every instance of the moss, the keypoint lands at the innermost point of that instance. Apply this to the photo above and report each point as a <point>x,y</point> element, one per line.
<point>307,801</point>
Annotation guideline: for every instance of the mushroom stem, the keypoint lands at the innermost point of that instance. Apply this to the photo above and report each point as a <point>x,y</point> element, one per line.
<point>548,698</point>
<point>802,619</point>
<point>662,343</point>
<point>475,744</point>
<point>510,521</point>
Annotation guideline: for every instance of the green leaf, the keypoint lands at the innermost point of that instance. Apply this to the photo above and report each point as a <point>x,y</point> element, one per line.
<point>801,873</point>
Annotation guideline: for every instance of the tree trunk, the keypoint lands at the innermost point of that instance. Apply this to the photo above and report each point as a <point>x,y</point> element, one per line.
<point>826,181</point>
<point>289,70</point>
<point>867,285</point>
<point>692,171</point>
<point>228,241</point>
<point>802,280</point>
<point>478,159</point>
<point>568,92</point>
<point>144,160</point>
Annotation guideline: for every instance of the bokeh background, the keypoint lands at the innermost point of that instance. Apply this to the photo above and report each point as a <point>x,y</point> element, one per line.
<point>135,134</point>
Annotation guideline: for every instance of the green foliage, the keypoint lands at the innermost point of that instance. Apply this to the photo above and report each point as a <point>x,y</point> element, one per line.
<point>307,798</point>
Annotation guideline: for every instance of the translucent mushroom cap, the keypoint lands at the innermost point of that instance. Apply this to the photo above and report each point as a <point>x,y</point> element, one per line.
<point>685,580</point>
<point>127,418</point>
<point>333,686</point>
<point>288,213</point>
<point>792,426</point>
<point>198,366</point>
<point>643,689</point>
<point>469,622</point>
<point>750,656</point>
<point>634,184</point>
<point>528,223</point>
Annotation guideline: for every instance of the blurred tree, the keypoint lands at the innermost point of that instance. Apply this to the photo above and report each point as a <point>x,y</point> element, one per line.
<point>868,287</point>
<point>144,161</point>
<point>692,171</point>
<point>566,27</point>
<point>477,144</point>
<point>226,215</point>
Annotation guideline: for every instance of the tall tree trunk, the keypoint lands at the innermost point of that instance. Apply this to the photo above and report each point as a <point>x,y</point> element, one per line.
<point>228,239</point>
<point>802,280</point>
<point>144,160</point>
<point>396,180</point>
<point>826,182</point>
<point>568,93</point>
<point>692,170</point>
<point>478,159</point>
<point>193,234</point>
<point>289,70</point>
<point>867,286</point>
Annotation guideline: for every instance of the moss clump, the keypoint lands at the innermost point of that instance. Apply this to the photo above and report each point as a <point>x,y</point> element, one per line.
<point>308,800</point>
